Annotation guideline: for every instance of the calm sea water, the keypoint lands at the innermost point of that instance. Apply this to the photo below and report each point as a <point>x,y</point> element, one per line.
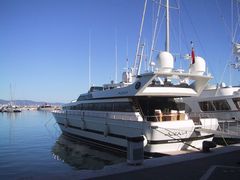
<point>31,145</point>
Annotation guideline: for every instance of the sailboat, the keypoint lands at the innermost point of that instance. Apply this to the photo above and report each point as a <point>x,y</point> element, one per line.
<point>11,108</point>
<point>145,104</point>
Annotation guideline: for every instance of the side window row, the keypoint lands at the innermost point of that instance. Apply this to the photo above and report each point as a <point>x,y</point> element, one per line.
<point>116,106</point>
<point>218,105</point>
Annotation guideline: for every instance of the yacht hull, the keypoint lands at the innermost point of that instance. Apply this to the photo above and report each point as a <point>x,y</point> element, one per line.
<point>159,137</point>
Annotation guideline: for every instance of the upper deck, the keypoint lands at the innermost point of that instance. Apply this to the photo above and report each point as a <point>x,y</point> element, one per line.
<point>175,84</point>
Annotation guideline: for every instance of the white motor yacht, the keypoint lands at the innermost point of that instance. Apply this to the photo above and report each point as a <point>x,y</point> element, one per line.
<point>221,101</point>
<point>143,104</point>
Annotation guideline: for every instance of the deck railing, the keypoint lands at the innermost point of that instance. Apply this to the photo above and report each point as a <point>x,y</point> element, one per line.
<point>103,114</point>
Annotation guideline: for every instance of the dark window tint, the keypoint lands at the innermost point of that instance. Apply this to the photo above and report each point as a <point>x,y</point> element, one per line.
<point>206,106</point>
<point>237,102</point>
<point>221,105</point>
<point>116,106</point>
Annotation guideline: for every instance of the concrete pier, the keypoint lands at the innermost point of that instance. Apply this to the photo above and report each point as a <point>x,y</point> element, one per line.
<point>220,163</point>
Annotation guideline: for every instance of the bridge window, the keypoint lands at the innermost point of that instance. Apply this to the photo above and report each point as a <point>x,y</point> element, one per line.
<point>206,106</point>
<point>237,102</point>
<point>221,105</point>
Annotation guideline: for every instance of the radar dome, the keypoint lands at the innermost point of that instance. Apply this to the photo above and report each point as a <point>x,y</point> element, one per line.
<point>199,67</point>
<point>165,61</point>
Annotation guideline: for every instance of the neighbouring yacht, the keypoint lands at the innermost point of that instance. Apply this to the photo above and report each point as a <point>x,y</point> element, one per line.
<point>219,101</point>
<point>146,104</point>
<point>222,101</point>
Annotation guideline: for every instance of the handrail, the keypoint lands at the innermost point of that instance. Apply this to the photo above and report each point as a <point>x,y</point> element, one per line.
<point>100,114</point>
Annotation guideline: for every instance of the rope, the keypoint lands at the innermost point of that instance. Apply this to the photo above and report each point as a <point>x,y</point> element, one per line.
<point>179,140</point>
<point>237,22</point>
<point>222,136</point>
<point>198,38</point>
<point>222,17</point>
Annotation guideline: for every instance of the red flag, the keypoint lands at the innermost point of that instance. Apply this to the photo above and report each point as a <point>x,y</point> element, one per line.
<point>193,56</point>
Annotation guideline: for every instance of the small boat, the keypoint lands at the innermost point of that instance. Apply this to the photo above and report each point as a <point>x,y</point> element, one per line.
<point>11,109</point>
<point>45,107</point>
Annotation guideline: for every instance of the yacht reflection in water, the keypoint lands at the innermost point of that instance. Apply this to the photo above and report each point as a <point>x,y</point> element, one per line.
<point>82,156</point>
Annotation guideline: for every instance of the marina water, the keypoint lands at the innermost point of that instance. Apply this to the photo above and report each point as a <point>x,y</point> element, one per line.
<point>31,145</point>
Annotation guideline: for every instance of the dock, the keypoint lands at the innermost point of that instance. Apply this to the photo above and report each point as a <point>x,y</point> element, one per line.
<point>219,163</point>
<point>223,162</point>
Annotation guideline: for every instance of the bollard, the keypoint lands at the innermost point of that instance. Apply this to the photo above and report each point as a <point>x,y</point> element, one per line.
<point>206,145</point>
<point>135,152</point>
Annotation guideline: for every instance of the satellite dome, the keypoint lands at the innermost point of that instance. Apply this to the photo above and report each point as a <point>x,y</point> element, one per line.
<point>199,67</point>
<point>165,61</point>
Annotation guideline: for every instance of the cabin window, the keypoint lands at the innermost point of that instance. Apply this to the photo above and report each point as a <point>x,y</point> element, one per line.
<point>206,106</point>
<point>183,107</point>
<point>96,88</point>
<point>237,102</point>
<point>108,107</point>
<point>148,105</point>
<point>84,106</point>
<point>123,107</point>
<point>221,105</point>
<point>66,108</point>
<point>116,106</point>
<point>79,106</point>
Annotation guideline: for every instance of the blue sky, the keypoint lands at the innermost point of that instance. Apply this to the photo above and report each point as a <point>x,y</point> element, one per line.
<point>44,44</point>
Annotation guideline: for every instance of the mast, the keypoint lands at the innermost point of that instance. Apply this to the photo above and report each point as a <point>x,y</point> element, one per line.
<point>135,70</point>
<point>154,32</point>
<point>167,47</point>
<point>11,96</point>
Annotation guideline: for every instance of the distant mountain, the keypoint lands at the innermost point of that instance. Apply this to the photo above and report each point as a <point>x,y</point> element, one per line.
<point>29,103</point>
<point>3,101</point>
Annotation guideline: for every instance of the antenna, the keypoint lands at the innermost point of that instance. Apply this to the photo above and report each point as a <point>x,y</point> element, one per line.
<point>180,33</point>
<point>127,55</point>
<point>116,56</point>
<point>89,60</point>
<point>167,48</point>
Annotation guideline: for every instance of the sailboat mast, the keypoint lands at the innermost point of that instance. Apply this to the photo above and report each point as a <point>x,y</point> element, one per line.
<point>11,96</point>
<point>135,70</point>
<point>167,47</point>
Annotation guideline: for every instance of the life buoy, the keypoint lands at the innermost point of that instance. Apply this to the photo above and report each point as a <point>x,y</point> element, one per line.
<point>138,85</point>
